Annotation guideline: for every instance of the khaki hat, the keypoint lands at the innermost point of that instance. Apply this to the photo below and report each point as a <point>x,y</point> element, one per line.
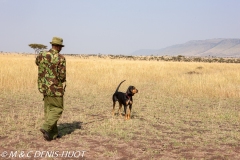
<point>57,41</point>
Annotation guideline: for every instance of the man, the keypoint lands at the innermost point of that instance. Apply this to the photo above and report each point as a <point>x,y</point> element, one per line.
<point>51,76</point>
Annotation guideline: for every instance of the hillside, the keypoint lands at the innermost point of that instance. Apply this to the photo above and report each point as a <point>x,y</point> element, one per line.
<point>213,47</point>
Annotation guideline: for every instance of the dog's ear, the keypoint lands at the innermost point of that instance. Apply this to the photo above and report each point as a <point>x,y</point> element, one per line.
<point>129,90</point>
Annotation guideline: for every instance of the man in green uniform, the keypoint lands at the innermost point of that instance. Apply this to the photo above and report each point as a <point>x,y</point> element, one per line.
<point>51,76</point>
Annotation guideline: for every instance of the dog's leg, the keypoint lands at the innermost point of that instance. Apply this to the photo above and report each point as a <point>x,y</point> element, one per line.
<point>119,109</point>
<point>113,111</point>
<point>127,115</point>
<point>125,111</point>
<point>130,110</point>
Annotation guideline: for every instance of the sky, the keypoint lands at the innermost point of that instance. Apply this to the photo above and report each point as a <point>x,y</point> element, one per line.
<point>114,26</point>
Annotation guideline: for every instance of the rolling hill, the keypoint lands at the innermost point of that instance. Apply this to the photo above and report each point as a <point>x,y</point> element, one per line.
<point>211,47</point>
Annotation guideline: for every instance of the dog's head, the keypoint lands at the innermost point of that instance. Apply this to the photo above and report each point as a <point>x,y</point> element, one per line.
<point>132,90</point>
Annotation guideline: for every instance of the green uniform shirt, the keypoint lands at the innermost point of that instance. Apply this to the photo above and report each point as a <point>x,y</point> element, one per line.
<point>51,72</point>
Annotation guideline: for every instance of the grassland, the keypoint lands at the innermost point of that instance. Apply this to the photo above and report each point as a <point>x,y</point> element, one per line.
<point>184,110</point>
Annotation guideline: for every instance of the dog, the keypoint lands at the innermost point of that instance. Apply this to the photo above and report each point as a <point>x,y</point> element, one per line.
<point>124,99</point>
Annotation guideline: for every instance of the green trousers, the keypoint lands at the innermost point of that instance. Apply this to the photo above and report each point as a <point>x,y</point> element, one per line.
<point>53,108</point>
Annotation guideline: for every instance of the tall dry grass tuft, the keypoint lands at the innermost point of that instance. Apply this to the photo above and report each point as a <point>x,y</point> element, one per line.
<point>170,78</point>
<point>19,74</point>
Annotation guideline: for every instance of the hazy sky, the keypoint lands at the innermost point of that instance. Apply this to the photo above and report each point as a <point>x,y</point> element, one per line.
<point>115,26</point>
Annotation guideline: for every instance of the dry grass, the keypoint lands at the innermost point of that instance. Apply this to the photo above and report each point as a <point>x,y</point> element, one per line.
<point>182,111</point>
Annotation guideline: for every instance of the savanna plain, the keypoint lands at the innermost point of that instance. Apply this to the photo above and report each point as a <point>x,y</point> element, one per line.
<point>183,110</point>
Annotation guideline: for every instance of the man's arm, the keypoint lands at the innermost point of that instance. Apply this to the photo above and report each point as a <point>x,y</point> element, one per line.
<point>62,69</point>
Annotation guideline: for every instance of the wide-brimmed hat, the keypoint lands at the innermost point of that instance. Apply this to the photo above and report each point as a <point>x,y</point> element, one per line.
<point>57,41</point>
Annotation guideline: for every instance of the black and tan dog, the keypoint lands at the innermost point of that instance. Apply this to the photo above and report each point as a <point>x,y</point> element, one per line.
<point>124,99</point>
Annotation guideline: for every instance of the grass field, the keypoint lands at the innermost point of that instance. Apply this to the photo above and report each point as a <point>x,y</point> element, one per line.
<point>184,110</point>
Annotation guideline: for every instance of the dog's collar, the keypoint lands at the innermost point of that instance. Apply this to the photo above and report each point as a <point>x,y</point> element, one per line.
<point>128,96</point>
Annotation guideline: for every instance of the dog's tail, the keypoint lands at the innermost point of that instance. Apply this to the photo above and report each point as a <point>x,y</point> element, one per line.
<point>119,86</point>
